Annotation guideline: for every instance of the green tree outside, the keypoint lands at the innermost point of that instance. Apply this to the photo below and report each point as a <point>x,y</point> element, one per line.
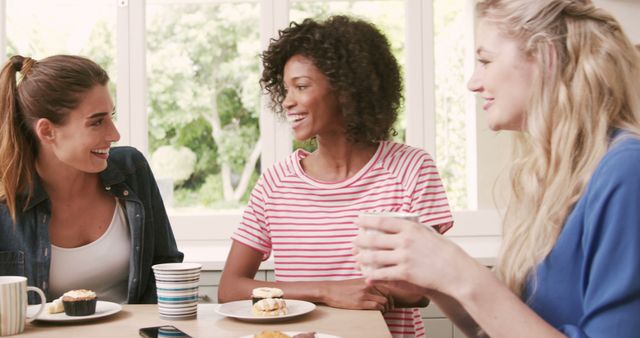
<point>203,70</point>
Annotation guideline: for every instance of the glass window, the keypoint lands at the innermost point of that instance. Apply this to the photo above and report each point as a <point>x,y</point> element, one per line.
<point>387,15</point>
<point>450,83</point>
<point>38,29</point>
<point>203,95</point>
<point>449,39</point>
<point>203,101</point>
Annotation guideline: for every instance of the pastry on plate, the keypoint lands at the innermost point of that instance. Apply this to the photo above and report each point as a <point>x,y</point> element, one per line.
<point>278,334</point>
<point>305,335</point>
<point>268,302</point>
<point>271,334</point>
<point>259,294</point>
<point>269,307</point>
<point>79,302</point>
<point>55,306</point>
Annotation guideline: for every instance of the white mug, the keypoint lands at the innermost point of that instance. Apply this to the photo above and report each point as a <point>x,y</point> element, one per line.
<point>13,304</point>
<point>366,269</point>
<point>387,214</point>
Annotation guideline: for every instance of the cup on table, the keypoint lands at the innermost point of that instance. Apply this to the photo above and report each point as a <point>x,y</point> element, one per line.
<point>366,269</point>
<point>13,304</point>
<point>177,288</point>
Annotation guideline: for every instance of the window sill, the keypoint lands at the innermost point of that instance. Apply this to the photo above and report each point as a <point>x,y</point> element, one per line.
<point>204,237</point>
<point>213,254</point>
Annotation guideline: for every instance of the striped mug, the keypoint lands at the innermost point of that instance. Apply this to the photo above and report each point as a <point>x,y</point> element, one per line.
<point>13,304</point>
<point>177,287</point>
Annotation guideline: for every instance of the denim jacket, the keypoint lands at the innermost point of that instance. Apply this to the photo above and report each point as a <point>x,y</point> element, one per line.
<point>25,248</point>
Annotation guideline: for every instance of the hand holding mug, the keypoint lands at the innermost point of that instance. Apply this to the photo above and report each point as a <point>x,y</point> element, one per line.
<point>404,250</point>
<point>373,217</point>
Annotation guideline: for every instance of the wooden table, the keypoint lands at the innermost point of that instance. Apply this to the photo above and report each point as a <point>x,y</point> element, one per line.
<point>338,322</point>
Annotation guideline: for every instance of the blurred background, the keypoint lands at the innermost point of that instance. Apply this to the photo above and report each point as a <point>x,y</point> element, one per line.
<point>185,82</point>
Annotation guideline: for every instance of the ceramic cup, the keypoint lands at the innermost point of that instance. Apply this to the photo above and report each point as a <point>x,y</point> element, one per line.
<point>177,288</point>
<point>382,214</point>
<point>13,304</point>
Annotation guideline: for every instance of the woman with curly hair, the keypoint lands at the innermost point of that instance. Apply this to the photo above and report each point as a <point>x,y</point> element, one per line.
<point>338,82</point>
<point>562,74</point>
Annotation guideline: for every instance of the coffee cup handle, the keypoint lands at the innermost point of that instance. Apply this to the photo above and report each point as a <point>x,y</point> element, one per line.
<point>43,302</point>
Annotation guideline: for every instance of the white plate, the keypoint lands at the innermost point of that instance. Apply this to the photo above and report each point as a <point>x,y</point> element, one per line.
<point>241,309</point>
<point>103,309</point>
<point>291,334</point>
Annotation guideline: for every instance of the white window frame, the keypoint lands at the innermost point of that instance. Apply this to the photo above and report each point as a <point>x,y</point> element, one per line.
<point>480,220</point>
<point>420,114</point>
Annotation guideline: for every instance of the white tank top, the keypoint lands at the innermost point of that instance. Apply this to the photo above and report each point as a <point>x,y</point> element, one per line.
<point>101,266</point>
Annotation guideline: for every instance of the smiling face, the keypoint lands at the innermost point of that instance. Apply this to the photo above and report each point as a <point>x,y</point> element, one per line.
<point>503,77</point>
<point>83,140</point>
<point>311,105</point>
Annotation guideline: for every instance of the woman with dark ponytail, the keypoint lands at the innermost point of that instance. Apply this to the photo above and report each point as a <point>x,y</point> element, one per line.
<point>74,212</point>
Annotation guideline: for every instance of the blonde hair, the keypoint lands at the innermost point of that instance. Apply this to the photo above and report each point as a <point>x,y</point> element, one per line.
<point>49,89</point>
<point>586,87</point>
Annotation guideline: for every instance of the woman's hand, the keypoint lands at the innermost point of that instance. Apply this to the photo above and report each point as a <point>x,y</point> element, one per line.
<point>355,294</point>
<point>402,250</point>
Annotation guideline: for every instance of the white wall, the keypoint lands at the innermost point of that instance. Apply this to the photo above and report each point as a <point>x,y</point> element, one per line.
<point>627,12</point>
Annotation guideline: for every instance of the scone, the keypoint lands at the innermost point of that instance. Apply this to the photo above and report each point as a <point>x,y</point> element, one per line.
<point>79,302</point>
<point>268,302</point>
<point>263,293</point>
<point>271,334</point>
<point>269,307</point>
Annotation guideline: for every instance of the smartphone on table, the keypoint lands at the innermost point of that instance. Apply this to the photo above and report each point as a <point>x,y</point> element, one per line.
<point>164,331</point>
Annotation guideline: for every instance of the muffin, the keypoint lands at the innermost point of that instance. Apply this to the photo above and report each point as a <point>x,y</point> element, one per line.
<point>268,302</point>
<point>79,302</point>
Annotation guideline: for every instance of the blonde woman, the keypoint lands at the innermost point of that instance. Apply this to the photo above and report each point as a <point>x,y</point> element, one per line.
<point>564,75</point>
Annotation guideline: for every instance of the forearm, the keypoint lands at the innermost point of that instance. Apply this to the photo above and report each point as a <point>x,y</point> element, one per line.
<point>499,312</point>
<point>457,314</point>
<point>240,289</point>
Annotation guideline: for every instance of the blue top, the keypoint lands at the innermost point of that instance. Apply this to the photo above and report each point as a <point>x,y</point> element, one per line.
<point>589,285</point>
<point>25,248</point>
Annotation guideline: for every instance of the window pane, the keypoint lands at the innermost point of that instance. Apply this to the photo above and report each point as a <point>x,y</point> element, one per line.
<point>387,15</point>
<point>203,91</point>
<point>451,138</point>
<point>38,29</point>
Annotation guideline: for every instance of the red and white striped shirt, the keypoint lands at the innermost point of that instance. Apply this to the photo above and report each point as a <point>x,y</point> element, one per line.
<point>308,224</point>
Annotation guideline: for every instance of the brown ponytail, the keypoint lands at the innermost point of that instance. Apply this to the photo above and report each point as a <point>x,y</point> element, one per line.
<point>16,149</point>
<point>50,89</point>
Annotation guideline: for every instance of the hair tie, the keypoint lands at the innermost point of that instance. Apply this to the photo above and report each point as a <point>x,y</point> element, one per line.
<point>21,64</point>
<point>27,64</point>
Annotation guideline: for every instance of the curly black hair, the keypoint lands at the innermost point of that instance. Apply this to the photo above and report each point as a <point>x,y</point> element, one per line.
<point>356,58</point>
